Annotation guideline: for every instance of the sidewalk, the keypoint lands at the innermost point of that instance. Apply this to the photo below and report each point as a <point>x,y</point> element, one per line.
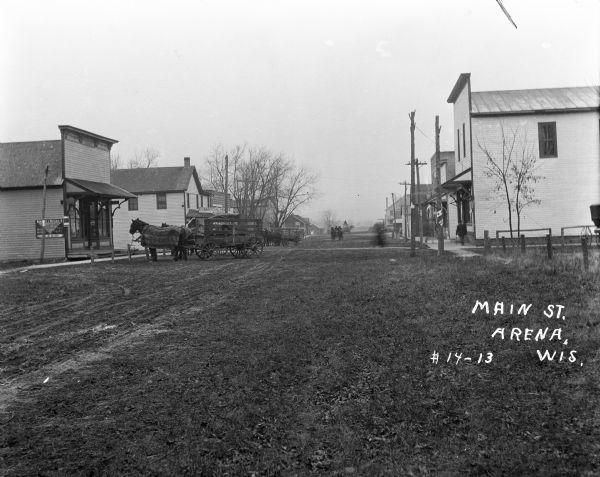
<point>452,246</point>
<point>66,263</point>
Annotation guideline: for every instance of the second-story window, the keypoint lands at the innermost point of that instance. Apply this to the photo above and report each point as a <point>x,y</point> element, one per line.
<point>464,142</point>
<point>161,200</point>
<point>547,138</point>
<point>132,204</point>
<point>458,142</point>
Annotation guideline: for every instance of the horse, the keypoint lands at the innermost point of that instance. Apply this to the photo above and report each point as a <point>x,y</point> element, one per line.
<point>154,237</point>
<point>272,237</point>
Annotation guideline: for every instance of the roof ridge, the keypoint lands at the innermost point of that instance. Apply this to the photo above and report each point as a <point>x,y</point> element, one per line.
<point>536,89</point>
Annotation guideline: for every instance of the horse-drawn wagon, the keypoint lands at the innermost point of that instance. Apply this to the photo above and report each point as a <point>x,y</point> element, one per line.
<point>218,235</point>
<point>222,235</point>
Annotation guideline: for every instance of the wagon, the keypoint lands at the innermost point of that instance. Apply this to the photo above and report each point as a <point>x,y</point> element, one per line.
<point>222,235</point>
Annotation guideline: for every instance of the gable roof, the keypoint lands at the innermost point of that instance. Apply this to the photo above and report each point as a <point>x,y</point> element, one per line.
<point>586,98</point>
<point>461,82</point>
<point>22,164</point>
<point>151,180</point>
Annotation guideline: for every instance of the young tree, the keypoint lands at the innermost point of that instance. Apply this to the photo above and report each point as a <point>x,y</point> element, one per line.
<point>513,171</point>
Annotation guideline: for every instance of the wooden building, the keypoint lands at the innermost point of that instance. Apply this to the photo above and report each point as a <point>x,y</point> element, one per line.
<point>78,198</point>
<point>162,195</point>
<point>560,127</point>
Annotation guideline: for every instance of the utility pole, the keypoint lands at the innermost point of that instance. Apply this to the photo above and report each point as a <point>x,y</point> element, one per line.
<point>417,199</point>
<point>226,182</point>
<point>419,208</point>
<point>394,222</point>
<point>404,210</point>
<point>438,181</point>
<point>44,215</point>
<point>412,181</point>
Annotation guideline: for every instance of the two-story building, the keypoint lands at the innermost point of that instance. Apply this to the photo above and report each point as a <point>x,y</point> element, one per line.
<point>68,182</point>
<point>162,195</point>
<point>558,127</point>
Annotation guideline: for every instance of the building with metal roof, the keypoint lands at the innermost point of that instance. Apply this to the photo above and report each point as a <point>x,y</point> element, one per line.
<point>556,131</point>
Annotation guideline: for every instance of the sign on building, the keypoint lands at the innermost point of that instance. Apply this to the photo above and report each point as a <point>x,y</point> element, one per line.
<point>50,228</point>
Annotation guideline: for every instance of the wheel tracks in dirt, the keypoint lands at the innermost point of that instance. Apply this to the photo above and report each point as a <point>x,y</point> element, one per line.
<point>33,382</point>
<point>73,310</point>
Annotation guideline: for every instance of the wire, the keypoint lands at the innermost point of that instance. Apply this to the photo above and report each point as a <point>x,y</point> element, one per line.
<point>419,129</point>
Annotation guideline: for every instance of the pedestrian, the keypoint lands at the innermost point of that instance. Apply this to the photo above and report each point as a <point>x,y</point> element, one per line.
<point>461,231</point>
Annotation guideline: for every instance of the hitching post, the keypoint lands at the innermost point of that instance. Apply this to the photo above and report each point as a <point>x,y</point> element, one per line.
<point>586,260</point>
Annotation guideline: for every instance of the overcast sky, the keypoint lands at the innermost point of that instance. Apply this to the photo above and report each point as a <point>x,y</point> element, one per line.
<point>328,83</point>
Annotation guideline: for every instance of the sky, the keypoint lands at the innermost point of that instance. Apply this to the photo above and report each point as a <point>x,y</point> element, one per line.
<point>328,83</point>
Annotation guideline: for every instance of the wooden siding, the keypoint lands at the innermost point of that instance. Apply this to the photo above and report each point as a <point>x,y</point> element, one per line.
<point>571,181</point>
<point>84,161</point>
<point>147,211</point>
<point>19,209</point>
<point>463,162</point>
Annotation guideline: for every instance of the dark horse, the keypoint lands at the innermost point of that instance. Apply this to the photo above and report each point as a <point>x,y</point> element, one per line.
<point>173,238</point>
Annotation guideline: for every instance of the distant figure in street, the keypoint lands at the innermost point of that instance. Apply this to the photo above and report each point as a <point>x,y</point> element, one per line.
<point>332,231</point>
<point>379,235</point>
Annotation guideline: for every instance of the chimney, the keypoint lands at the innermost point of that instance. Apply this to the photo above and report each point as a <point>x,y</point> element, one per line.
<point>186,162</point>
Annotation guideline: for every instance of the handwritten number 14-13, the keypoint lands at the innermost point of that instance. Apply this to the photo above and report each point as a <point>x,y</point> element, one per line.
<point>459,356</point>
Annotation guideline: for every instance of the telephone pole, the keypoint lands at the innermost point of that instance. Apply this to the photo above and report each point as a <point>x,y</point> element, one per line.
<point>438,180</point>
<point>404,210</point>
<point>412,182</point>
<point>394,222</point>
<point>226,182</point>
<point>44,215</point>
<point>418,201</point>
<point>419,208</point>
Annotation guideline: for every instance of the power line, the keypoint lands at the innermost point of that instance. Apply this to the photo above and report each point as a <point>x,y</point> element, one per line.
<point>418,129</point>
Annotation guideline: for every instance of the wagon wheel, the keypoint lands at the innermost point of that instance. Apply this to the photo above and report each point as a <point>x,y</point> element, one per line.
<point>256,248</point>
<point>203,253</point>
<point>206,251</point>
<point>238,251</point>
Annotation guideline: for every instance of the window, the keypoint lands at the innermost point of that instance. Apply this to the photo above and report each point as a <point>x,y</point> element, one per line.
<point>161,200</point>
<point>197,202</point>
<point>188,200</point>
<point>132,204</point>
<point>458,142</point>
<point>547,138</point>
<point>464,142</point>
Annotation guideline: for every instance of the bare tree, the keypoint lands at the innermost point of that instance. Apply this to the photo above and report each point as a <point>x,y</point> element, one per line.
<point>329,219</point>
<point>513,172</point>
<point>147,158</point>
<point>263,184</point>
<point>115,162</point>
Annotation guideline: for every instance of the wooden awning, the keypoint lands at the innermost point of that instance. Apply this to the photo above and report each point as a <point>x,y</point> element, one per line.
<point>459,181</point>
<point>84,188</point>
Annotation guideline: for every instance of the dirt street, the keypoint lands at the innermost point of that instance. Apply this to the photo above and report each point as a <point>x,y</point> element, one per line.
<point>309,359</point>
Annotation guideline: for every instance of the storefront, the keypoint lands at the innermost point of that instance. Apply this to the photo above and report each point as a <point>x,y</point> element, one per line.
<point>56,198</point>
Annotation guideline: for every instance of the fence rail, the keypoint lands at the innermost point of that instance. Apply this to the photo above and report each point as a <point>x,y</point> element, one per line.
<point>498,232</point>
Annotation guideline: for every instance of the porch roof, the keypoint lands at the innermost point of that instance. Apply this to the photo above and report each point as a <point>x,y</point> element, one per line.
<point>97,189</point>
<point>458,181</point>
